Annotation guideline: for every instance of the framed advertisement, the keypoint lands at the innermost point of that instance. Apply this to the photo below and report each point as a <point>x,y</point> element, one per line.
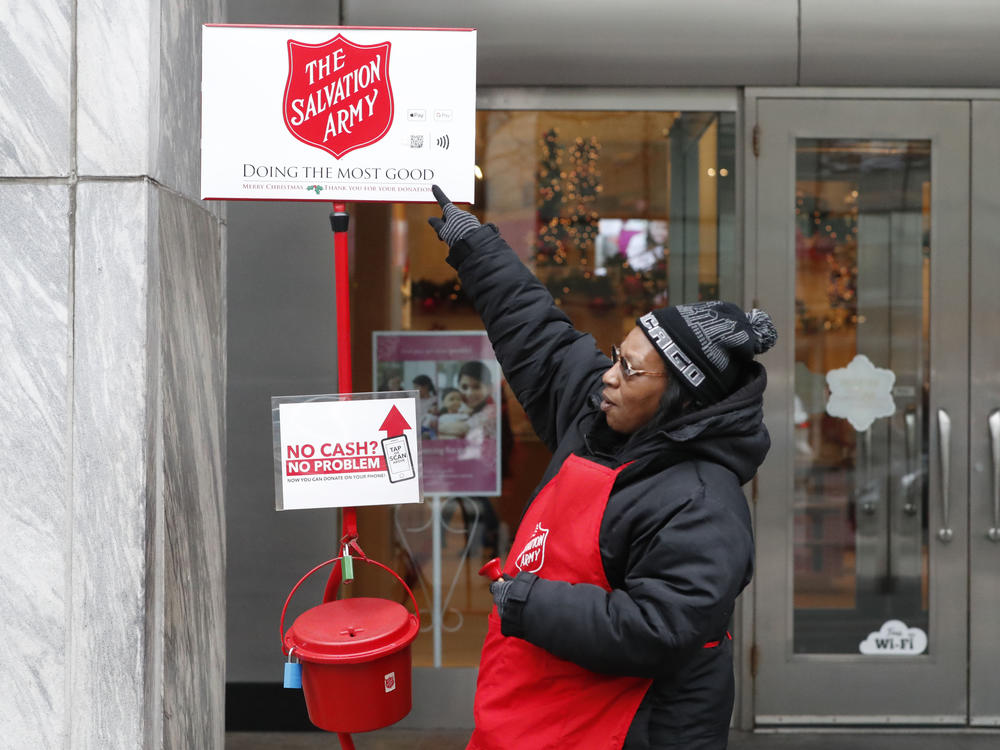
<point>457,380</point>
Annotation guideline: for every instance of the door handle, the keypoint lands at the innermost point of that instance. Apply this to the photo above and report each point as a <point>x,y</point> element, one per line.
<point>945,534</point>
<point>868,496</point>
<point>994,423</point>
<point>912,462</point>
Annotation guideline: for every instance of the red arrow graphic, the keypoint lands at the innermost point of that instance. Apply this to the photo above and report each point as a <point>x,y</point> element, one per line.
<point>394,423</point>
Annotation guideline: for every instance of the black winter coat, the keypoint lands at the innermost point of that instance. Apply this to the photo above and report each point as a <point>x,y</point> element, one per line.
<point>676,538</point>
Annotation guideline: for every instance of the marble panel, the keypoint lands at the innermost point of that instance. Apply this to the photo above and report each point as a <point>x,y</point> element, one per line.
<point>35,448</point>
<point>177,123</point>
<point>114,374</point>
<point>116,90</point>
<point>192,300</point>
<point>35,43</point>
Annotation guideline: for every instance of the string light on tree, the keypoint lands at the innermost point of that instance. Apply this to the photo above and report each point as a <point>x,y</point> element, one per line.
<point>551,224</point>
<point>584,185</point>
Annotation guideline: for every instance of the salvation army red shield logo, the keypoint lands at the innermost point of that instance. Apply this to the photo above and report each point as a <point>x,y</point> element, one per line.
<point>532,555</point>
<point>338,96</point>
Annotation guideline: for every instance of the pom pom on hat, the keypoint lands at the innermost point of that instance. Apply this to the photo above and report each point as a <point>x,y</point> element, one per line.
<point>707,344</point>
<point>765,334</point>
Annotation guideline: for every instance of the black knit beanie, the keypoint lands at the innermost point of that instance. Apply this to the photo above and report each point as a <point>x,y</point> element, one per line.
<point>707,345</point>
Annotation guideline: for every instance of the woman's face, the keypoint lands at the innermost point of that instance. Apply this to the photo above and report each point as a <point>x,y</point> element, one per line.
<point>629,403</point>
<point>424,389</point>
<point>473,391</point>
<point>452,402</point>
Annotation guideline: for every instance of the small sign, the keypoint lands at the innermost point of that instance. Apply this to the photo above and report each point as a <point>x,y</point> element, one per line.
<point>860,392</point>
<point>346,450</point>
<point>399,462</point>
<point>894,638</point>
<point>338,113</point>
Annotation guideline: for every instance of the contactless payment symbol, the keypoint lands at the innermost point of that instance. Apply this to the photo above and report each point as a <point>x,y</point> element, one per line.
<point>338,96</point>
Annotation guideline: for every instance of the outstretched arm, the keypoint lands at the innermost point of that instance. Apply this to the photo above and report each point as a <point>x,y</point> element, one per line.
<point>551,367</point>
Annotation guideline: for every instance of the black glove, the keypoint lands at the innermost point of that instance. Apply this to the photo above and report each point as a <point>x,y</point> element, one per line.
<point>500,590</point>
<point>455,223</point>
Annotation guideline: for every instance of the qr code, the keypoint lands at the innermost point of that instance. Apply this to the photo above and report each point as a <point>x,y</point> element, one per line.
<point>416,141</point>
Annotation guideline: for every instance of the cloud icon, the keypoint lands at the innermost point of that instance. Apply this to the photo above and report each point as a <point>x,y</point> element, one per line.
<point>894,638</point>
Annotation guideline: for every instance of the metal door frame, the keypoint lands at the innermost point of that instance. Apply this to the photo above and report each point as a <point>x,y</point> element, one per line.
<point>984,394</point>
<point>866,121</point>
<point>984,564</point>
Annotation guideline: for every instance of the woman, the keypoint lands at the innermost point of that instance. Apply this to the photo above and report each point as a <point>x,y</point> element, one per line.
<point>610,624</point>
<point>425,387</point>
<point>474,382</point>
<point>427,408</point>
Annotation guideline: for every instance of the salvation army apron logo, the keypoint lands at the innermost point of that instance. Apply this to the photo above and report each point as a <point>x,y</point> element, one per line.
<point>532,557</point>
<point>338,96</point>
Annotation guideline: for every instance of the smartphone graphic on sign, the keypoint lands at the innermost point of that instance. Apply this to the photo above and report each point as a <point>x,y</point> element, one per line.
<point>397,458</point>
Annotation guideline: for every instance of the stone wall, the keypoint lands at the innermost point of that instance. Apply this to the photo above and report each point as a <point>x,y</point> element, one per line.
<point>112,381</point>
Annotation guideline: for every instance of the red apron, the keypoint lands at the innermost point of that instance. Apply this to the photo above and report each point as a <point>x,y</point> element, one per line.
<point>526,698</point>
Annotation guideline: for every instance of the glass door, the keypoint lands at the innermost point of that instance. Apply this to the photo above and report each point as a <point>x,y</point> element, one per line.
<point>862,510</point>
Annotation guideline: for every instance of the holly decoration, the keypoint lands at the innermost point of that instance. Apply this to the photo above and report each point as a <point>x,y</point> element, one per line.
<point>432,297</point>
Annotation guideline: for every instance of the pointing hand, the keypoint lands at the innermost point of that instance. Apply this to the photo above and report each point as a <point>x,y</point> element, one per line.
<point>454,223</point>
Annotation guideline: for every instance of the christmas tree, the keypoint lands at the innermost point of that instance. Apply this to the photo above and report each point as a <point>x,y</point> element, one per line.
<point>583,186</point>
<point>552,227</point>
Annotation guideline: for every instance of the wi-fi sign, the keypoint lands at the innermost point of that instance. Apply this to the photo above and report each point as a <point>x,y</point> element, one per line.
<point>442,142</point>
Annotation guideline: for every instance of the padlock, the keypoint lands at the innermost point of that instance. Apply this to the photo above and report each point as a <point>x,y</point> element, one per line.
<point>347,565</point>
<point>293,673</point>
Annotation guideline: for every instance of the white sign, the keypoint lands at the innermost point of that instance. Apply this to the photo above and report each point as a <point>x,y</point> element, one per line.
<point>346,450</point>
<point>860,392</point>
<point>894,639</point>
<point>337,113</point>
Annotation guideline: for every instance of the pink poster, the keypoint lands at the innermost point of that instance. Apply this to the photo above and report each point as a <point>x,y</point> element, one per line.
<point>457,381</point>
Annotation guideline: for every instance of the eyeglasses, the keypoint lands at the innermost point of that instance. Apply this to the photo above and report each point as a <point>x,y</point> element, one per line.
<point>627,369</point>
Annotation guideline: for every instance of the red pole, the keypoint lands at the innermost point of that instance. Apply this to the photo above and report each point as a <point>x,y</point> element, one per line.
<point>339,220</point>
<point>342,271</point>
